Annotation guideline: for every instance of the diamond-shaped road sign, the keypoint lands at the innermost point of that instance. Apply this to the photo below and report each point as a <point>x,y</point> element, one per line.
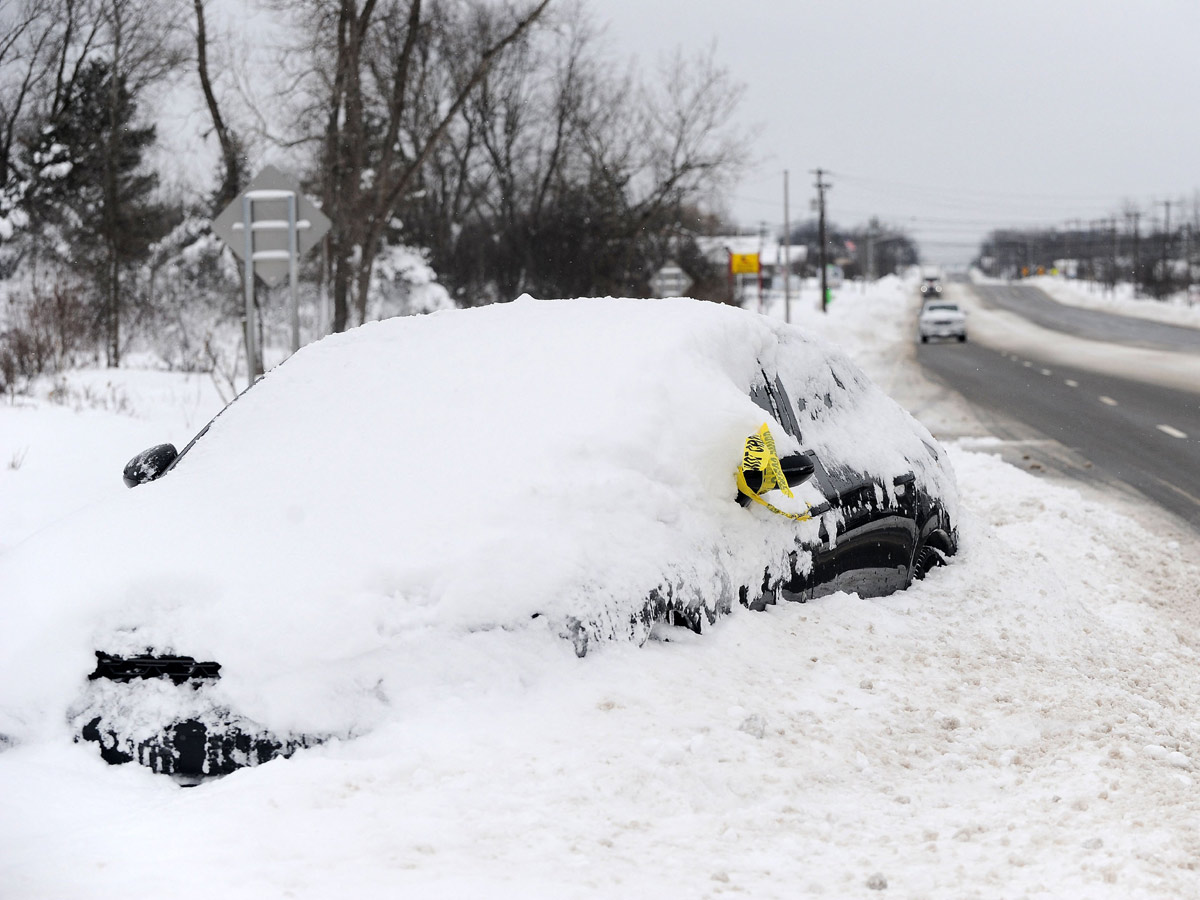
<point>268,194</point>
<point>670,281</point>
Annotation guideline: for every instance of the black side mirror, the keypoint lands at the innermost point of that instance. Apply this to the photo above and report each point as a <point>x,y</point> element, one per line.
<point>797,468</point>
<point>149,464</point>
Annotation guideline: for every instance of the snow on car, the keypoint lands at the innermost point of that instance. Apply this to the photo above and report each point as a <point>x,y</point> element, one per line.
<point>568,468</point>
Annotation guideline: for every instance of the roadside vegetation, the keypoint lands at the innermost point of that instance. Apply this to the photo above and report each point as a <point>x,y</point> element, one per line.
<point>466,153</point>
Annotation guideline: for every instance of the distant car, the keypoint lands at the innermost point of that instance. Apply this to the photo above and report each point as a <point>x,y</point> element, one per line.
<point>941,319</point>
<point>597,470</point>
<point>931,287</point>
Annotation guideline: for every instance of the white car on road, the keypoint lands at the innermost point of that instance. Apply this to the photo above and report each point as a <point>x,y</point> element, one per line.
<point>941,319</point>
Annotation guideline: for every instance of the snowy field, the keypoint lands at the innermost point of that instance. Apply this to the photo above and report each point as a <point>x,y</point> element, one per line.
<point>1021,724</point>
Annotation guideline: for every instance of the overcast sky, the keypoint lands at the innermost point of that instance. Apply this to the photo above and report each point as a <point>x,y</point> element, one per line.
<point>947,116</point>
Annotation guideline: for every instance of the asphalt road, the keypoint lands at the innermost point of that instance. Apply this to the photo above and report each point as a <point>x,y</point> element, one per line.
<point>1032,304</point>
<point>1144,435</point>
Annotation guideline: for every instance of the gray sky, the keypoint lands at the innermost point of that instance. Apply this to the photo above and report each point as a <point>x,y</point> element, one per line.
<point>947,116</point>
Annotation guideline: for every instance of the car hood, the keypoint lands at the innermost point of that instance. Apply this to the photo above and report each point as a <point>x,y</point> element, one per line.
<point>444,475</point>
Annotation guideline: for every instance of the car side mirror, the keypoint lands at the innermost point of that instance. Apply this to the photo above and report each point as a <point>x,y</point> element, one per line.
<point>797,468</point>
<point>149,464</point>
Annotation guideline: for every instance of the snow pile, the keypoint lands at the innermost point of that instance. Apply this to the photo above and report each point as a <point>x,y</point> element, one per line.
<point>419,480</point>
<point>1023,722</point>
<point>64,447</point>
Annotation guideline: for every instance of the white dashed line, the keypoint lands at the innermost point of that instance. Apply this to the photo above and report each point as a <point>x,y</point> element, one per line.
<point>1027,365</point>
<point>1046,372</point>
<point>1173,432</point>
<point>1071,382</point>
<point>1108,401</point>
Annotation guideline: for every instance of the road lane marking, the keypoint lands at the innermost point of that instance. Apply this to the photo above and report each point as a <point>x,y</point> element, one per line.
<point>1108,401</point>
<point>1177,490</point>
<point>1027,365</point>
<point>1173,432</point>
<point>1071,382</point>
<point>1046,372</point>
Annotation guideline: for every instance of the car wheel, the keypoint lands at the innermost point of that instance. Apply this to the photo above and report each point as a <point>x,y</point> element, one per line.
<point>962,338</point>
<point>924,339</point>
<point>926,559</point>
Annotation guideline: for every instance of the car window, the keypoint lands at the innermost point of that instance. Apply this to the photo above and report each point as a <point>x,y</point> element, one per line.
<point>772,397</point>
<point>827,398</point>
<point>941,307</point>
<point>760,395</point>
<point>203,431</point>
<point>787,411</point>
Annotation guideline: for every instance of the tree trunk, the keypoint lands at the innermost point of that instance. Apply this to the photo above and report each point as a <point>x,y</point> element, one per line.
<point>114,310</point>
<point>111,201</point>
<point>341,284</point>
<point>231,158</point>
<point>365,265</point>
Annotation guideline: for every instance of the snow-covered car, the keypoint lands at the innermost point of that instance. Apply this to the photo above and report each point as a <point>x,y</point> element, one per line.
<point>941,319</point>
<point>595,470</point>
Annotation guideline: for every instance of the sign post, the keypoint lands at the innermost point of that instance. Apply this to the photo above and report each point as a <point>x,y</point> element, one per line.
<point>269,227</point>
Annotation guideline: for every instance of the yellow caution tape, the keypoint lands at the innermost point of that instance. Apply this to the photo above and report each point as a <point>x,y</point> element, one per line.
<point>760,455</point>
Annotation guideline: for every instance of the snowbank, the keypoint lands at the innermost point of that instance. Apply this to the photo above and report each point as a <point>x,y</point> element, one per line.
<point>542,465</point>
<point>1021,723</point>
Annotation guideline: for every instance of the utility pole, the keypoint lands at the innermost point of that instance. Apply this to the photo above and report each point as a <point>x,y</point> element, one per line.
<point>1133,217</point>
<point>1112,258</point>
<point>787,255</point>
<point>1094,247</point>
<point>1187,259</point>
<point>1166,275</point>
<point>871,250</point>
<point>821,187</point>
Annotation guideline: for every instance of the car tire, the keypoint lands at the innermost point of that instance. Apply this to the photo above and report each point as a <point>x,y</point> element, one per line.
<point>924,339</point>
<point>926,559</point>
<point>962,338</point>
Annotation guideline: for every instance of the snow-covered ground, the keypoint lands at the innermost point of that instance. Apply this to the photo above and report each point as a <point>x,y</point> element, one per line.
<point>1022,723</point>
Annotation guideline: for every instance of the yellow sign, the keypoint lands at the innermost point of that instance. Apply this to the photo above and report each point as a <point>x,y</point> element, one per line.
<point>743,264</point>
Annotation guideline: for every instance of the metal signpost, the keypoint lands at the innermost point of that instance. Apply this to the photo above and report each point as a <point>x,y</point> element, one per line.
<point>269,227</point>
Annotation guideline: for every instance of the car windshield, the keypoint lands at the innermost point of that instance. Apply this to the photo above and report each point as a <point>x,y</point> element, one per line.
<point>941,307</point>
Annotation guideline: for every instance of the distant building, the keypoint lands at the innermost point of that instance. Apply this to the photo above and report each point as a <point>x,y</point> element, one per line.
<point>770,254</point>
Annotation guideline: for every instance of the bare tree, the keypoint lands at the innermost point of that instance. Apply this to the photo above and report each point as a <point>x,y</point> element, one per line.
<point>692,143</point>
<point>233,159</point>
<point>579,179</point>
<point>380,128</point>
<point>29,26</point>
<point>527,113</point>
